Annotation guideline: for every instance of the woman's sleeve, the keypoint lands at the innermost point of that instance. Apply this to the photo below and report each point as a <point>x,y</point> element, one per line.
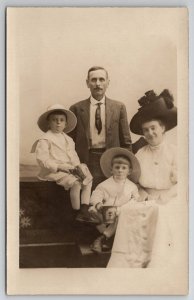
<point>135,193</point>
<point>172,191</point>
<point>43,157</point>
<point>173,175</point>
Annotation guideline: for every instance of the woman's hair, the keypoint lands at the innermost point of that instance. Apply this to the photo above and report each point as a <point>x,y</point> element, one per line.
<point>158,119</point>
<point>57,112</point>
<point>121,159</point>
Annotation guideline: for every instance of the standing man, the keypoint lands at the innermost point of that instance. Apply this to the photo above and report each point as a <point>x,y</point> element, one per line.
<point>101,123</point>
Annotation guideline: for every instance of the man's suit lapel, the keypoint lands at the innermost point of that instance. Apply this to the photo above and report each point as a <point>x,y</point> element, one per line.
<point>85,117</point>
<point>109,113</point>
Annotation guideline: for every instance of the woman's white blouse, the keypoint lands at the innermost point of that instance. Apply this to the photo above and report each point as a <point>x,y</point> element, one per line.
<point>158,166</point>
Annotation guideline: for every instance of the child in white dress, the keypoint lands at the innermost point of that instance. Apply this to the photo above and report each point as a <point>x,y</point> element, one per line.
<point>113,195</point>
<point>58,160</point>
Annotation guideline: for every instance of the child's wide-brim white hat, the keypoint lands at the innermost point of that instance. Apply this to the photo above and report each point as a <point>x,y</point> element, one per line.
<point>106,162</point>
<point>71,118</point>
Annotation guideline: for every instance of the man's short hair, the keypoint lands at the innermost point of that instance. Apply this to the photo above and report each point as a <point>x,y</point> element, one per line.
<point>95,68</point>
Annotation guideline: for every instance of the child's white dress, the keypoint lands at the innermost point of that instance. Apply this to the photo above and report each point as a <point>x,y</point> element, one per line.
<point>54,149</point>
<point>110,192</point>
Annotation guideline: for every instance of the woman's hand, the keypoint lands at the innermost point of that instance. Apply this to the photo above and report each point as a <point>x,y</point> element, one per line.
<point>165,197</point>
<point>65,168</point>
<point>162,199</point>
<point>99,206</point>
<point>143,195</point>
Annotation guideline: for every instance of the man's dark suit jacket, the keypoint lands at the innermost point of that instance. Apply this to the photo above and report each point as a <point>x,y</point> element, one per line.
<point>117,128</point>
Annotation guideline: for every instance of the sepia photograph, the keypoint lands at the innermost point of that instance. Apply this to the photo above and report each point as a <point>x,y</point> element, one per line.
<point>97,150</point>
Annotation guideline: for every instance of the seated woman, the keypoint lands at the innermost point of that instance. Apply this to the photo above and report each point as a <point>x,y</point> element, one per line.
<point>156,115</point>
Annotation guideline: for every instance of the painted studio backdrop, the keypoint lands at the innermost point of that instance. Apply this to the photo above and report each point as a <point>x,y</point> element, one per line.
<point>53,50</point>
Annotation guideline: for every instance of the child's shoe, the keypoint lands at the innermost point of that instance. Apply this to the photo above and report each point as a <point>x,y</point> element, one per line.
<point>107,244</point>
<point>85,216</point>
<point>96,246</point>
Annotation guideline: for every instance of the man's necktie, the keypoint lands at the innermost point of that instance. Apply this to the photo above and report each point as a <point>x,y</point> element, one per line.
<point>98,121</point>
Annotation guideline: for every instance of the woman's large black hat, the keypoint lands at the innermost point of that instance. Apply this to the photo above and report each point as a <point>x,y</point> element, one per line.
<point>155,107</point>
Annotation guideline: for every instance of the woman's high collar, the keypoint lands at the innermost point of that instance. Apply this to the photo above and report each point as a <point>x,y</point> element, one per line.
<point>157,147</point>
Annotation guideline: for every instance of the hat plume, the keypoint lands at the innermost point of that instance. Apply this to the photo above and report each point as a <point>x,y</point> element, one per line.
<point>168,98</point>
<point>149,97</point>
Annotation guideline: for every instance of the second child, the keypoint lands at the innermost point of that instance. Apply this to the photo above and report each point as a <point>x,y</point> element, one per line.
<point>114,194</point>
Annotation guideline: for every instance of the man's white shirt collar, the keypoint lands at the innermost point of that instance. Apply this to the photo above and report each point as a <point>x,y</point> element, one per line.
<point>94,101</point>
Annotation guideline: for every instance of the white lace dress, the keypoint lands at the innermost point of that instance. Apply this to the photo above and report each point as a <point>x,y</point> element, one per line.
<point>149,239</point>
